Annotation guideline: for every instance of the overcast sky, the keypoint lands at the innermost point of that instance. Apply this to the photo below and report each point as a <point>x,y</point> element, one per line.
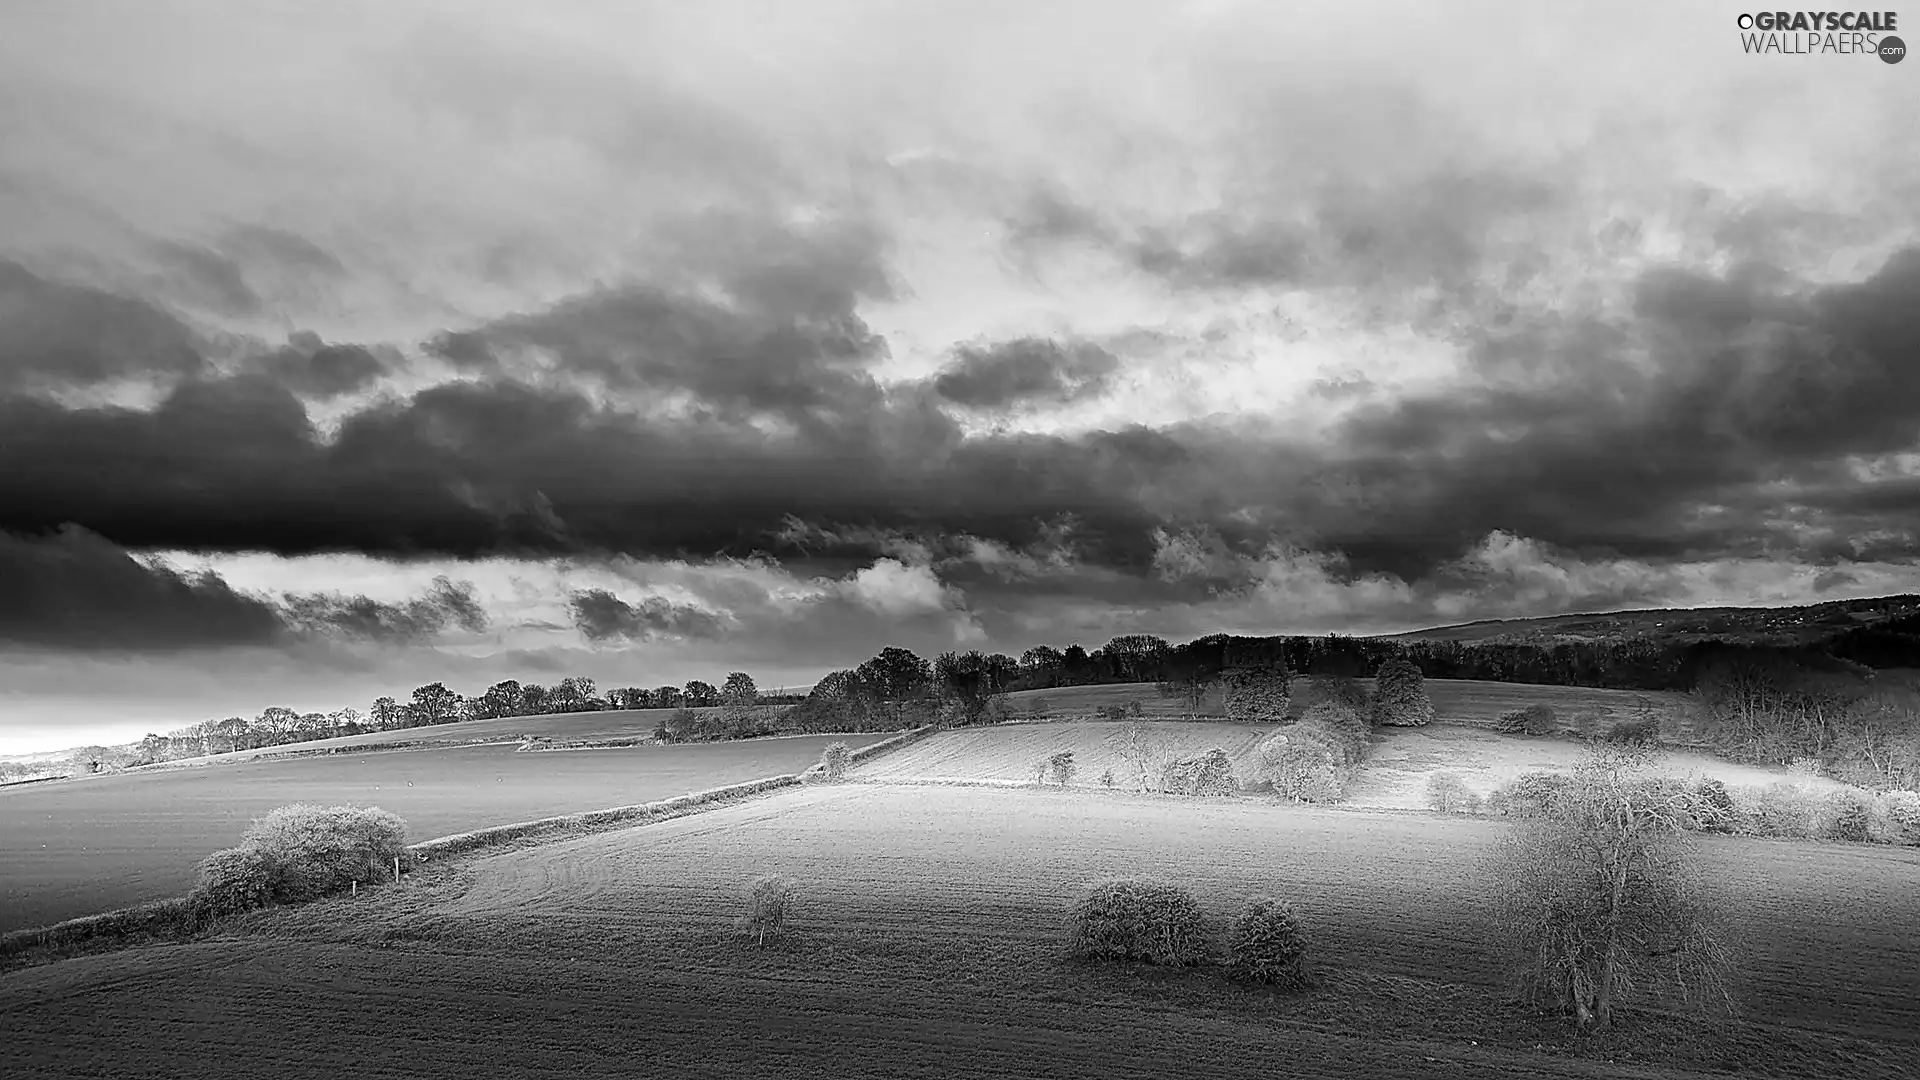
<point>347,347</point>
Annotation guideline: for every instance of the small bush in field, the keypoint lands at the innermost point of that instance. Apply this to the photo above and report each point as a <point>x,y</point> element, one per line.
<point>1901,812</point>
<point>1844,815</point>
<point>1781,811</point>
<point>1638,732</point>
<point>1530,795</point>
<point>1106,778</point>
<point>1805,766</point>
<point>1138,919</point>
<point>1302,769</point>
<point>1061,767</point>
<point>1511,722</point>
<point>1265,944</point>
<point>1715,804</point>
<point>1112,712</point>
<point>1449,794</point>
<point>231,881</point>
<point>315,850</point>
<point>1209,773</point>
<point>835,760</point>
<point>769,900</point>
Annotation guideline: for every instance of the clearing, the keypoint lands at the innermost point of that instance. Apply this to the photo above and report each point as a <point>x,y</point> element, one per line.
<point>90,844</point>
<point>927,944</point>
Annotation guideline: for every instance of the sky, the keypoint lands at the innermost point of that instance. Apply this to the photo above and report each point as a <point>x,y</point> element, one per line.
<point>349,347</point>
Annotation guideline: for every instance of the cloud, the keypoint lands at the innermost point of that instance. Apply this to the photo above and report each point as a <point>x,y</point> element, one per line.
<point>445,605</point>
<point>602,616</point>
<point>1025,370</point>
<point>55,333</point>
<point>76,590</point>
<point>311,367</point>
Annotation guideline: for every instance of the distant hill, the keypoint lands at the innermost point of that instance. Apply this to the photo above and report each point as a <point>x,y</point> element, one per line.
<point>1804,625</point>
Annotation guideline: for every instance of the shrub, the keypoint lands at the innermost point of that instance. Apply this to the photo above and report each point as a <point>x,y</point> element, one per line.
<point>1530,795</point>
<point>998,710</point>
<point>311,851</point>
<point>1449,794</point>
<point>1265,944</point>
<point>1062,768</point>
<point>769,900</point>
<point>1209,773</point>
<point>1901,810</point>
<point>1805,766</point>
<point>1643,732</point>
<point>1714,805</point>
<point>1400,696</point>
<point>1138,919</point>
<point>835,760</point>
<point>1301,768</point>
<point>231,881</point>
<point>1781,810</point>
<point>1844,815</point>
<point>1106,778</point>
<point>1112,712</point>
<point>1512,722</point>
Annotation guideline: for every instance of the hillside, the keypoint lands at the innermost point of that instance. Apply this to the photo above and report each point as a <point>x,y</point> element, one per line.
<point>1760,625</point>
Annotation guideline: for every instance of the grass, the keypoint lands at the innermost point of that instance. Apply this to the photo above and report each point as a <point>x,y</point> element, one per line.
<point>74,849</point>
<point>930,946</point>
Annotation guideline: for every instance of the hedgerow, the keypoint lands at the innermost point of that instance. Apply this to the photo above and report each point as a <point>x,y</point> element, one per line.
<point>1138,919</point>
<point>311,851</point>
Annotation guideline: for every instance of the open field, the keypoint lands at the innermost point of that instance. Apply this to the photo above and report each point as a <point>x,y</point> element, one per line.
<point>75,847</point>
<point>1010,752</point>
<point>1455,701</point>
<point>928,945</point>
<point>1395,776</point>
<point>605,724</point>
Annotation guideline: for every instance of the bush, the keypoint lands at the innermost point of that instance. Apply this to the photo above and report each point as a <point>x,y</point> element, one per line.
<point>1901,811</point>
<point>1209,773</point>
<point>1449,794</point>
<point>1265,944</point>
<point>1062,768</point>
<point>1845,815</point>
<point>312,851</point>
<point>1301,767</point>
<point>1106,778</point>
<point>1642,732</point>
<point>1530,795</point>
<point>1138,919</point>
<point>1400,696</point>
<point>1111,712</point>
<point>1307,691</point>
<point>1805,766</point>
<point>1780,811</point>
<point>769,900</point>
<point>231,881</point>
<point>835,760</point>
<point>1255,695</point>
<point>1714,805</point>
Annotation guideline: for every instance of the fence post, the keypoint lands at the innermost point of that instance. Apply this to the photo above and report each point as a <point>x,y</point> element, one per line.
<point>396,869</point>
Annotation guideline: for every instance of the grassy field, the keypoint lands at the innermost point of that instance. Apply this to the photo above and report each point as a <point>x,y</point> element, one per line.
<point>606,724</point>
<point>88,844</point>
<point>1455,701</point>
<point>928,945</point>
<point>1009,752</point>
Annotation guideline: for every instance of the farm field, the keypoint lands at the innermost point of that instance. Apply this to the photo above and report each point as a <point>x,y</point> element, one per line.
<point>928,945</point>
<point>1010,752</point>
<point>1455,701</point>
<point>1396,774</point>
<point>88,844</point>
<point>604,724</point>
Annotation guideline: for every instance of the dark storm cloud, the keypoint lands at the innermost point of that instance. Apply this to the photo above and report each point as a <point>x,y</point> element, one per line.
<point>1024,370</point>
<point>602,616</point>
<point>54,333</point>
<point>1563,433</point>
<point>446,604</point>
<point>311,367</point>
<point>74,589</point>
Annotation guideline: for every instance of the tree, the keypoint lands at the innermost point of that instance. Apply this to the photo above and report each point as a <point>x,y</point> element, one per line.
<point>501,699</point>
<point>1135,657</point>
<point>575,694</point>
<point>387,714</point>
<point>1601,894</point>
<point>897,675</point>
<point>1040,666</point>
<point>1140,748</point>
<point>275,725</point>
<point>700,695</point>
<point>1256,695</point>
<point>1400,696</point>
<point>434,704</point>
<point>236,733</point>
<point>668,697</point>
<point>346,721</point>
<point>739,689</point>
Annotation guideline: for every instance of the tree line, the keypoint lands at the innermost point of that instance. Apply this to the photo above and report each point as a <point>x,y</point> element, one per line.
<point>898,688</point>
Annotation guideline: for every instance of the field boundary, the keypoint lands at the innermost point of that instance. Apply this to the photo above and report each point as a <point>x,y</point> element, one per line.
<point>178,914</point>
<point>874,750</point>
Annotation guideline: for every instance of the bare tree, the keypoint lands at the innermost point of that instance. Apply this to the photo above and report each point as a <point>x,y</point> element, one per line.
<point>1142,750</point>
<point>1603,898</point>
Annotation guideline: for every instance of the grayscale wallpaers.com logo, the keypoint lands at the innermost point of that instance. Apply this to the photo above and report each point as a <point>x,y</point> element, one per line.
<point>1804,33</point>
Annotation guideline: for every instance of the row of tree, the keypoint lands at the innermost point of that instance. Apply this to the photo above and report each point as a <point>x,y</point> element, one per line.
<point>898,688</point>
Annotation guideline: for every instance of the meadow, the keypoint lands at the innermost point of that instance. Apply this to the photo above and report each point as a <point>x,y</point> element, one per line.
<point>927,943</point>
<point>92,843</point>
